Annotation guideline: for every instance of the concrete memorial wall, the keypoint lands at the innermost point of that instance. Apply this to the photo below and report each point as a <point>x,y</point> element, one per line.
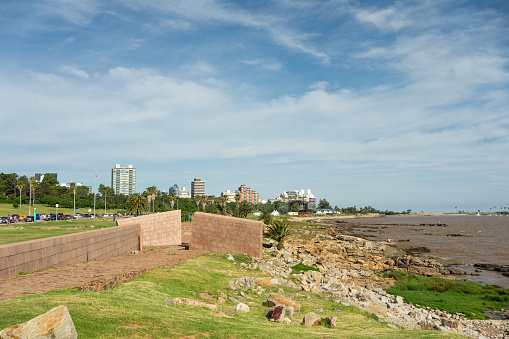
<point>158,229</point>
<point>220,234</point>
<point>70,249</point>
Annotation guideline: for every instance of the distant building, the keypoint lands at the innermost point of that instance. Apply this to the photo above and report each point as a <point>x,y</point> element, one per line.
<point>197,187</point>
<point>123,179</point>
<point>249,195</point>
<point>306,200</point>
<point>174,189</point>
<point>39,176</point>
<point>229,195</point>
<point>185,194</point>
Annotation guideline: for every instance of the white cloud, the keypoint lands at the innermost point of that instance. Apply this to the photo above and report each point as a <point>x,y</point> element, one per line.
<point>177,24</point>
<point>135,43</point>
<point>200,68</point>
<point>387,19</point>
<point>74,71</point>
<point>76,12</point>
<point>210,11</point>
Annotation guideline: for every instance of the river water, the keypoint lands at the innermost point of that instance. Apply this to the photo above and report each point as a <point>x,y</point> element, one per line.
<point>466,240</point>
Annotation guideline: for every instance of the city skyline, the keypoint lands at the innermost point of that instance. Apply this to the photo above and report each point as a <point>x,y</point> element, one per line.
<point>395,105</point>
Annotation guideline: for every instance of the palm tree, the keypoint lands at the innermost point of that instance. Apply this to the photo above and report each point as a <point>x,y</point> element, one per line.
<point>266,217</point>
<point>74,189</point>
<point>197,201</point>
<point>278,231</point>
<point>172,197</point>
<point>19,186</point>
<point>237,200</point>
<point>223,200</point>
<point>137,204</point>
<point>33,185</point>
<point>151,193</point>
<point>245,209</point>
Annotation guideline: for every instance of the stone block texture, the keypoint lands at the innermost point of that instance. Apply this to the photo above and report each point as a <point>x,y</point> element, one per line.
<point>159,229</point>
<point>70,249</point>
<point>219,234</point>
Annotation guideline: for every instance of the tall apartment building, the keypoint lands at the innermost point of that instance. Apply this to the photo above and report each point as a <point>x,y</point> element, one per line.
<point>123,179</point>
<point>197,187</point>
<point>249,195</point>
<point>175,190</point>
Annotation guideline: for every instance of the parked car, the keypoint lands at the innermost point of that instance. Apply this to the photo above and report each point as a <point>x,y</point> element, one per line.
<point>29,218</point>
<point>68,217</point>
<point>4,220</point>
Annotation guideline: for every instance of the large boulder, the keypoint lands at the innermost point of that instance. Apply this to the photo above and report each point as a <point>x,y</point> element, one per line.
<point>278,299</point>
<point>311,319</point>
<point>54,324</point>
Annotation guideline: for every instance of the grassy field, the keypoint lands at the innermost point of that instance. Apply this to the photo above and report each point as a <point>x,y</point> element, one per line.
<point>135,309</point>
<point>30,231</point>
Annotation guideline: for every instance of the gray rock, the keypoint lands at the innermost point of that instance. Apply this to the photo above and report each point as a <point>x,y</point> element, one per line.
<point>240,307</point>
<point>54,324</point>
<point>289,310</point>
<point>332,321</point>
<point>311,318</point>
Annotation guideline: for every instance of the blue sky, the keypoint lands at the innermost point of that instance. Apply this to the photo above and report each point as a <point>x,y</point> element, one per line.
<point>397,105</point>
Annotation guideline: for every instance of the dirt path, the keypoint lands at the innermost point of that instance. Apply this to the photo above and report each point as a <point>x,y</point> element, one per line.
<point>94,275</point>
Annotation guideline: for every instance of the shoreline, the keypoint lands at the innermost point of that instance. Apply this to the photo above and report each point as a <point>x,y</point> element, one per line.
<point>364,228</point>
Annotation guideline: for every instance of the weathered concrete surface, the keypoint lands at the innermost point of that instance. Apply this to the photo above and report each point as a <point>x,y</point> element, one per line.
<point>54,324</point>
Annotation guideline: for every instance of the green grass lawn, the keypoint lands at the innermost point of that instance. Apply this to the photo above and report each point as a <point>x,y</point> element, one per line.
<point>451,296</point>
<point>135,309</point>
<point>12,233</point>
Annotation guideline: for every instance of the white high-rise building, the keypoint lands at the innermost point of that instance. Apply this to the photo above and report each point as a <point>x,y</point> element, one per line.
<point>197,187</point>
<point>123,179</point>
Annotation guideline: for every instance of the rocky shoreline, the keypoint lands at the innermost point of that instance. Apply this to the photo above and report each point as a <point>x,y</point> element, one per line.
<point>348,227</point>
<point>348,273</point>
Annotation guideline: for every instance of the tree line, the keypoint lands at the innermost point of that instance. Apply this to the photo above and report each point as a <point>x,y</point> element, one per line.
<point>21,190</point>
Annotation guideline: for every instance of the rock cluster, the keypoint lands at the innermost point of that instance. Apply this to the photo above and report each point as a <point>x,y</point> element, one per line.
<point>348,274</point>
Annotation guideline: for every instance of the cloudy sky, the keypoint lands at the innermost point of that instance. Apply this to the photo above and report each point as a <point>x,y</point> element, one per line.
<point>397,105</point>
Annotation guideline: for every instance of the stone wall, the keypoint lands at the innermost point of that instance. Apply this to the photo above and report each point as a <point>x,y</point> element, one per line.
<point>220,234</point>
<point>70,249</point>
<point>159,229</point>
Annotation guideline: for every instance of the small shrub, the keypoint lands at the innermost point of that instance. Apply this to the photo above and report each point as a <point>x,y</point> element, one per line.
<point>242,258</point>
<point>299,268</point>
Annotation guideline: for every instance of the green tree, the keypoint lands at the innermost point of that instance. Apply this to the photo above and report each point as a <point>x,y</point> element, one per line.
<point>137,204</point>
<point>245,209</point>
<point>172,197</point>
<point>278,231</point>
<point>105,191</point>
<point>237,200</point>
<point>295,207</point>
<point>223,200</point>
<point>266,217</point>
<point>324,205</point>
<point>151,193</point>
<point>20,186</point>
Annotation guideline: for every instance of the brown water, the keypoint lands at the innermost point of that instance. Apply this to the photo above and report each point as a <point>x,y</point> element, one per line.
<point>485,239</point>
